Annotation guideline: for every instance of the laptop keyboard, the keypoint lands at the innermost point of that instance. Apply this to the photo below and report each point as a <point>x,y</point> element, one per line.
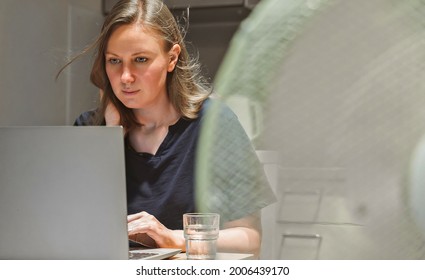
<point>140,255</point>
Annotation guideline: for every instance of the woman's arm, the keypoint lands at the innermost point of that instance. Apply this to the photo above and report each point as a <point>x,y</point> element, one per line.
<point>239,236</point>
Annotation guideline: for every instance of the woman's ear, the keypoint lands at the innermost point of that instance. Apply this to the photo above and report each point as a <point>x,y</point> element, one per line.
<point>174,57</point>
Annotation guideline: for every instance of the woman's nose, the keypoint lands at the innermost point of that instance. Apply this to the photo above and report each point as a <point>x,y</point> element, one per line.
<point>127,76</point>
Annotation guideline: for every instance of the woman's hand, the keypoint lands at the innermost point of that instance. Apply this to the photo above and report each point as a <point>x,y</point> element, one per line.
<point>143,228</point>
<point>112,116</point>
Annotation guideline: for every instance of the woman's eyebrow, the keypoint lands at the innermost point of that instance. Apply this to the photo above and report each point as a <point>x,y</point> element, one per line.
<point>134,54</point>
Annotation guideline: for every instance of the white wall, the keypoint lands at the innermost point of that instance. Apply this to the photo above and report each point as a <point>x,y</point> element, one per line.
<point>35,39</point>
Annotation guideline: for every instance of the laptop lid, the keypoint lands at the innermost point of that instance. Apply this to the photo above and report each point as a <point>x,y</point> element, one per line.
<point>62,193</point>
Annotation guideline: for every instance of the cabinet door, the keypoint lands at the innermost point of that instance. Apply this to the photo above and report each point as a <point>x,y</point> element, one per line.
<point>329,242</point>
<point>310,242</point>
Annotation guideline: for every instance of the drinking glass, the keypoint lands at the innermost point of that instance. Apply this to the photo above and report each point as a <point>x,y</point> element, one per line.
<point>201,233</point>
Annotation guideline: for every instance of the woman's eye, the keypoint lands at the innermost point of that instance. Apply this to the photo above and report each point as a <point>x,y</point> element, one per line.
<point>141,59</point>
<point>114,61</point>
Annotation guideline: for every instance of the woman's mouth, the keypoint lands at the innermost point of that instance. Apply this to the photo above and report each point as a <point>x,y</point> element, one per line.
<point>130,92</point>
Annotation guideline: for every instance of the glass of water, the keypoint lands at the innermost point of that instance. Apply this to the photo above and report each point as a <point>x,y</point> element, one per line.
<point>201,233</point>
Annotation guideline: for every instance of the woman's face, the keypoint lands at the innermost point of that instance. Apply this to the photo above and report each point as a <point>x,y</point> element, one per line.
<point>137,66</point>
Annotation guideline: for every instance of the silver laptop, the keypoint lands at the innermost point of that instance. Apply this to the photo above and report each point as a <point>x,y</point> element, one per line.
<point>63,194</point>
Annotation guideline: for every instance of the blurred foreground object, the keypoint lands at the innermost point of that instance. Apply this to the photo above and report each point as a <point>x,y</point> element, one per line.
<point>336,89</point>
<point>417,184</point>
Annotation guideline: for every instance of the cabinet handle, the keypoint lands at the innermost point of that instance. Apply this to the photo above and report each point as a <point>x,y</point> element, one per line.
<point>317,237</point>
<point>305,236</point>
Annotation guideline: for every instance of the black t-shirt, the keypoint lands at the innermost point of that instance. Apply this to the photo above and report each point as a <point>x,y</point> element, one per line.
<point>164,184</point>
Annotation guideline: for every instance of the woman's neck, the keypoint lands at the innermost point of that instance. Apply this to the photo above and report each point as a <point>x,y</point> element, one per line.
<point>161,114</point>
<point>154,127</point>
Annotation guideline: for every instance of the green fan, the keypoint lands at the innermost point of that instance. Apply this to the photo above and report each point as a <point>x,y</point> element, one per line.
<point>336,90</point>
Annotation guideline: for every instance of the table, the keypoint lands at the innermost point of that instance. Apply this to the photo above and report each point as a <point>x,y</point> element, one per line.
<point>220,256</point>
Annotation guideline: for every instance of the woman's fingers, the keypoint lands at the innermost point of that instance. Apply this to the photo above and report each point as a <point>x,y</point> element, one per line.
<point>138,227</point>
<point>136,216</point>
<point>144,239</point>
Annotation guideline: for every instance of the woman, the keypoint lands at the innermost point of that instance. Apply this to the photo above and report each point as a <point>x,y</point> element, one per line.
<point>151,87</point>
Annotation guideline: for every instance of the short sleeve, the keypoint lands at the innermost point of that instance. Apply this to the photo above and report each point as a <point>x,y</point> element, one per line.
<point>230,178</point>
<point>86,119</point>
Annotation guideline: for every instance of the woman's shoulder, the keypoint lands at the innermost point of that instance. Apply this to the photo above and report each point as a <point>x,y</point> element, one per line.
<point>216,106</point>
<point>86,118</point>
